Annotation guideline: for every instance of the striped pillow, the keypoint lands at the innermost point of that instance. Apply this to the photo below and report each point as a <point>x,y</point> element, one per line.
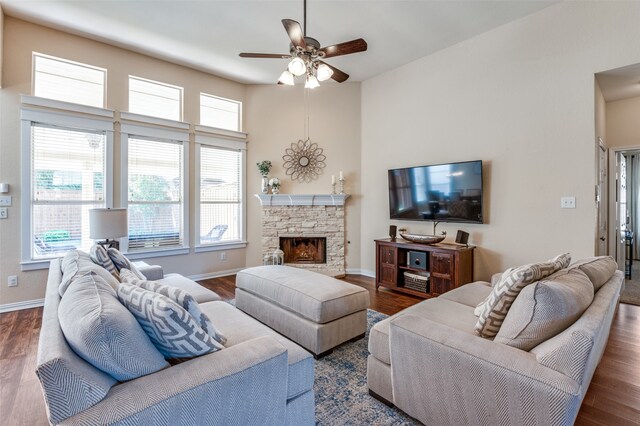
<point>496,306</point>
<point>100,257</point>
<point>172,329</point>
<point>179,296</point>
<point>122,262</point>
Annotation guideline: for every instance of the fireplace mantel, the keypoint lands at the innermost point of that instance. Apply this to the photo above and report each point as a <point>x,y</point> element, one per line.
<point>302,200</point>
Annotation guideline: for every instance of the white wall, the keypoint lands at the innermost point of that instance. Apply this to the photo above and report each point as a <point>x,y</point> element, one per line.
<point>623,123</point>
<point>520,98</point>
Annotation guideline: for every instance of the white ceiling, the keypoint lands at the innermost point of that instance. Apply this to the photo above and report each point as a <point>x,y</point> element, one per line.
<point>620,83</point>
<point>209,34</point>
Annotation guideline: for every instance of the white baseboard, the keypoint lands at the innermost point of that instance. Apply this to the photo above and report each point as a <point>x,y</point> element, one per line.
<point>364,272</point>
<point>17,306</point>
<point>216,274</point>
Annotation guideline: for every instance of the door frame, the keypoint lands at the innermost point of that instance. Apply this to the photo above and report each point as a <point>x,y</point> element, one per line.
<point>602,197</point>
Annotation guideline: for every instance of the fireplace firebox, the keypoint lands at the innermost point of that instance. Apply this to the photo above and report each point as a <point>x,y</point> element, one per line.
<point>306,250</point>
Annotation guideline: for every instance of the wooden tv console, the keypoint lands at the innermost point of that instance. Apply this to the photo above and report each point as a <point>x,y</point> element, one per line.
<point>449,266</point>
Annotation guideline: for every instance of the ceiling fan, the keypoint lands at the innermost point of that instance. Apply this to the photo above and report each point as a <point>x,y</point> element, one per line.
<point>307,56</point>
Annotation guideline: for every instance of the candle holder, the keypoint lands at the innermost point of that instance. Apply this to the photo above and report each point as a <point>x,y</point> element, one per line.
<point>333,188</point>
<point>341,185</point>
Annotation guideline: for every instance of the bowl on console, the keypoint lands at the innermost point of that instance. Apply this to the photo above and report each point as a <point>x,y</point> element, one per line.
<point>423,239</point>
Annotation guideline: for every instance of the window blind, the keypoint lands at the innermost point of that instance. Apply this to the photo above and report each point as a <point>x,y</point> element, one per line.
<point>67,179</point>
<point>220,195</point>
<point>155,99</point>
<point>219,112</point>
<point>155,201</point>
<point>68,81</point>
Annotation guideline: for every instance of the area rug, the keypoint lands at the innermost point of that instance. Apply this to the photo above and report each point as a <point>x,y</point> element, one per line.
<point>631,292</point>
<point>342,396</point>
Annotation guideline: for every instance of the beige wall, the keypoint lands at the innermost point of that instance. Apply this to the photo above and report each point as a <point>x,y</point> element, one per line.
<point>623,123</point>
<point>20,39</point>
<point>519,97</point>
<point>275,120</point>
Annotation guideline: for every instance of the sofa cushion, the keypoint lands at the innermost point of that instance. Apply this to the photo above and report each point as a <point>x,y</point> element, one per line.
<point>77,263</point>
<point>121,262</point>
<point>469,294</point>
<point>100,257</point>
<point>513,280</point>
<point>179,296</point>
<point>240,327</point>
<point>172,329</point>
<point>440,310</point>
<point>200,294</point>
<point>103,332</point>
<point>599,269</point>
<point>546,308</point>
<point>314,296</point>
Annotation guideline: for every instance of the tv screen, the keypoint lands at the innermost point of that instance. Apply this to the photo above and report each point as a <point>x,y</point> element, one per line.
<point>444,192</point>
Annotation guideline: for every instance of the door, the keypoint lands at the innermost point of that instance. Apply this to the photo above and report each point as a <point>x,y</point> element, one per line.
<point>621,208</point>
<point>601,201</point>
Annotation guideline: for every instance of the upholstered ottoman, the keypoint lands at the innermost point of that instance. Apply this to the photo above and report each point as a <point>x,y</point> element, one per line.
<point>316,311</point>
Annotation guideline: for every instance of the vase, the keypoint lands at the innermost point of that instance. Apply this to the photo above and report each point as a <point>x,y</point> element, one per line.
<point>265,185</point>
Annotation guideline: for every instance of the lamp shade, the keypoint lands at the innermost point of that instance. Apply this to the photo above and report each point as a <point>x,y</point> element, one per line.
<point>107,223</point>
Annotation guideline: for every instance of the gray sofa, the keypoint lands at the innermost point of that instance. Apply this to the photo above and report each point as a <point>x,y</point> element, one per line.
<point>428,361</point>
<point>259,378</point>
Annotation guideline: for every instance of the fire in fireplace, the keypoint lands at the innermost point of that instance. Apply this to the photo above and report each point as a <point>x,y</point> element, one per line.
<point>304,249</point>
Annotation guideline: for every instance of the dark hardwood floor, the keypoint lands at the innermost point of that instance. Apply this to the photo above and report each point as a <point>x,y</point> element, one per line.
<point>613,397</point>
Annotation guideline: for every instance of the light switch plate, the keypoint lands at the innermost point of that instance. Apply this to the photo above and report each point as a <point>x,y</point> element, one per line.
<point>568,202</point>
<point>3,213</point>
<point>5,200</point>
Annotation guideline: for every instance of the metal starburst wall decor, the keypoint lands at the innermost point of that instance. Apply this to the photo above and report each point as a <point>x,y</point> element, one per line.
<point>304,161</point>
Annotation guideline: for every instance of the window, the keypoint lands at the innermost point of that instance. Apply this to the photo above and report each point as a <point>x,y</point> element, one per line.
<point>219,112</point>
<point>155,99</point>
<point>68,81</point>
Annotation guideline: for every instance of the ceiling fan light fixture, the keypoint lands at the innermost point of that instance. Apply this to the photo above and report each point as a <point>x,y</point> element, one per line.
<point>324,72</point>
<point>287,78</point>
<point>311,83</point>
<point>297,67</point>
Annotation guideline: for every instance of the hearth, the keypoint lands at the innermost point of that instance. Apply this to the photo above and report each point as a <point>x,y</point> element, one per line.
<point>304,250</point>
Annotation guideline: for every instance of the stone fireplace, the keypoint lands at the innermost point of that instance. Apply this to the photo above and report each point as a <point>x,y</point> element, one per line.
<point>310,229</point>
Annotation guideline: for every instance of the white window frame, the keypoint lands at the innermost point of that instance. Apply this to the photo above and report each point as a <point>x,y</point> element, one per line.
<point>137,125</point>
<point>64,114</point>
<point>159,83</point>
<point>208,136</point>
<point>80,64</point>
<point>224,99</point>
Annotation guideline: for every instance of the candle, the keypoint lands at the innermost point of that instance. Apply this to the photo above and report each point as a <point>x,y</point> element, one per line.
<point>341,176</point>
<point>333,179</point>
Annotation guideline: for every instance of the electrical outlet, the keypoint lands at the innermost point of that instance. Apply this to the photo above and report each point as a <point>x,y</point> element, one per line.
<point>568,202</point>
<point>4,213</point>
<point>5,200</point>
<point>12,281</point>
<point>223,255</point>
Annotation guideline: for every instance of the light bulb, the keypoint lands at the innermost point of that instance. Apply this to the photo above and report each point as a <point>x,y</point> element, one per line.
<point>286,78</point>
<point>297,67</point>
<point>324,72</point>
<point>311,83</point>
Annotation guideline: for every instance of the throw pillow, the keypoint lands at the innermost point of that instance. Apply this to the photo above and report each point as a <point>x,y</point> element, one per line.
<point>104,333</point>
<point>599,269</point>
<point>513,280</point>
<point>75,264</point>
<point>100,257</point>
<point>546,308</point>
<point>121,262</point>
<point>172,329</point>
<point>179,296</point>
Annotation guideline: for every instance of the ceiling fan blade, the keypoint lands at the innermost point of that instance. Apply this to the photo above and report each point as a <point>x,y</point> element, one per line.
<point>339,76</point>
<point>346,48</point>
<point>265,55</point>
<point>295,33</point>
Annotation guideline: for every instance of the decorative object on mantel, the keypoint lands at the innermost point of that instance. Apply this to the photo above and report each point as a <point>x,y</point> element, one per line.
<point>333,184</point>
<point>424,239</point>
<point>274,183</point>
<point>264,167</point>
<point>341,179</point>
<point>304,161</point>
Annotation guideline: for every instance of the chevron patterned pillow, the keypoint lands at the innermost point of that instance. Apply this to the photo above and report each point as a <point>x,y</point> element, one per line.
<point>495,307</point>
<point>121,262</point>
<point>179,296</point>
<point>100,257</point>
<point>171,328</point>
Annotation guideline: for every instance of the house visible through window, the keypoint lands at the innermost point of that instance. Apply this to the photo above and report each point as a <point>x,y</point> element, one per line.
<point>155,99</point>
<point>68,81</point>
<point>67,179</point>
<point>155,193</point>
<point>219,112</point>
<point>220,195</point>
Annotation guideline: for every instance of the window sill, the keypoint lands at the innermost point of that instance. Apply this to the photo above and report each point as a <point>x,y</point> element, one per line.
<point>135,255</point>
<point>34,265</point>
<point>221,246</point>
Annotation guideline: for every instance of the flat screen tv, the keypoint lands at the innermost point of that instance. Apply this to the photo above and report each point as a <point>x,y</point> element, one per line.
<point>443,192</point>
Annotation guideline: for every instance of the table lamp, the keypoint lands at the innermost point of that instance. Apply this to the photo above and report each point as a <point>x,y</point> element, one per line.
<point>108,224</point>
